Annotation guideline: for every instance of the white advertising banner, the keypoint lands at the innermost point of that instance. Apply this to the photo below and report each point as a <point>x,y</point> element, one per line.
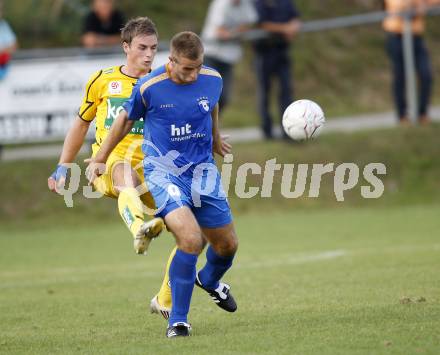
<point>54,87</point>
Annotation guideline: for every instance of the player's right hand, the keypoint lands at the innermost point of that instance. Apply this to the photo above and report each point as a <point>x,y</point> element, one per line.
<point>57,179</point>
<point>94,169</point>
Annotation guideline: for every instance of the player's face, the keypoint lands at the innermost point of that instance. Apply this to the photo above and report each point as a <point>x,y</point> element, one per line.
<point>141,52</point>
<point>184,70</point>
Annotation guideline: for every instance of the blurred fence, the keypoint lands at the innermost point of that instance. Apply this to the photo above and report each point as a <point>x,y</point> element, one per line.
<point>42,93</point>
<point>370,18</point>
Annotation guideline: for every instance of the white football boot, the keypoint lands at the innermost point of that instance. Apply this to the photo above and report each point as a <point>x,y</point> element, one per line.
<point>147,232</point>
<point>156,308</point>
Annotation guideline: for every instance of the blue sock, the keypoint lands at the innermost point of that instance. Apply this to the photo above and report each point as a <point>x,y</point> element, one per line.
<point>214,269</point>
<point>182,277</point>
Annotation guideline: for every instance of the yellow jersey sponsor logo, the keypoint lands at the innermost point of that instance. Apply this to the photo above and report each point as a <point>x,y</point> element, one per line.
<point>114,108</point>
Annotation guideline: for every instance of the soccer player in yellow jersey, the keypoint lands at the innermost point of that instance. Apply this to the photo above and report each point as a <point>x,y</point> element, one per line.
<point>105,93</point>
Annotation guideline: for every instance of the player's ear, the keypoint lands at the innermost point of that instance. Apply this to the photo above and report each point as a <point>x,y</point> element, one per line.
<point>125,47</point>
<point>172,60</point>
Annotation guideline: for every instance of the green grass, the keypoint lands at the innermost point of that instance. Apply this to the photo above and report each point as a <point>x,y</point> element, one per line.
<point>410,155</point>
<point>312,276</point>
<point>69,288</point>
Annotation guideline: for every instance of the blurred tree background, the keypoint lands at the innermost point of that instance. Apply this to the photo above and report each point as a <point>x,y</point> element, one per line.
<point>345,70</point>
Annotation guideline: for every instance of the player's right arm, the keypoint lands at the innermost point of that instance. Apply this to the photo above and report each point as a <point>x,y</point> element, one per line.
<point>219,143</point>
<point>77,132</point>
<point>72,144</point>
<point>74,140</point>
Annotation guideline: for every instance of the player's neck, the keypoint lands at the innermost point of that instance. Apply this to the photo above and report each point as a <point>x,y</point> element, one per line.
<point>133,72</point>
<point>175,79</point>
<point>171,74</point>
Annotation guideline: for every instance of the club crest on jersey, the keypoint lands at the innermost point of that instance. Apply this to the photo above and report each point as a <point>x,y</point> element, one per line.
<point>115,87</point>
<point>203,104</point>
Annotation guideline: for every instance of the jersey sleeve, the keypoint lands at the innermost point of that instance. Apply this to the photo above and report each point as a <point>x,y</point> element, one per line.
<point>220,88</point>
<point>217,87</point>
<point>90,102</point>
<point>136,106</point>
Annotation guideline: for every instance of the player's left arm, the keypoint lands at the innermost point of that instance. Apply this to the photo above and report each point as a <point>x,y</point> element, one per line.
<point>219,144</point>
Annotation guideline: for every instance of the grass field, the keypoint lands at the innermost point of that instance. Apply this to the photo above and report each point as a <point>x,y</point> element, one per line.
<point>306,283</point>
<point>312,276</point>
<point>410,155</point>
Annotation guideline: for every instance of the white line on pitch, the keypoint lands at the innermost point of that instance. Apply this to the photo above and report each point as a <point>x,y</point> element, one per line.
<point>292,260</point>
<point>63,276</point>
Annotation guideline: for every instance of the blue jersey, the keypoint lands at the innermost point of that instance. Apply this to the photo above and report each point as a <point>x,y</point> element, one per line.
<point>177,117</point>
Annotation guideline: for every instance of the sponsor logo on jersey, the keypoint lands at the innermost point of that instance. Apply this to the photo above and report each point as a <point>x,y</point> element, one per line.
<point>115,87</point>
<point>114,108</point>
<point>164,106</point>
<point>180,131</point>
<point>183,133</point>
<point>203,103</point>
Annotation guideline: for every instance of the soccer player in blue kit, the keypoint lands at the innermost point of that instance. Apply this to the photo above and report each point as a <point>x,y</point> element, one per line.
<point>179,105</point>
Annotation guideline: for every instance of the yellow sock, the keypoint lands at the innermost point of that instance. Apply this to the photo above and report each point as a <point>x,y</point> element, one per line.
<point>130,209</point>
<point>164,295</point>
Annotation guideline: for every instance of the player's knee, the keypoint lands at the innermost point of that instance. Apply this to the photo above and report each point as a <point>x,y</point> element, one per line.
<point>124,176</point>
<point>191,243</point>
<point>228,246</point>
<point>232,246</point>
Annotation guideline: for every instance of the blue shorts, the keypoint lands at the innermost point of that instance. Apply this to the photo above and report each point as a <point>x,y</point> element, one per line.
<point>202,193</point>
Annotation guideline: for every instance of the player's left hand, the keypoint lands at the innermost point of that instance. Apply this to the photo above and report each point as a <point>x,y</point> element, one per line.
<point>94,169</point>
<point>222,147</point>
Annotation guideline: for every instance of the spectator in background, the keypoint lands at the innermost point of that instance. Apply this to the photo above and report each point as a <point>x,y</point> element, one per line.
<point>8,43</point>
<point>280,19</point>
<point>102,26</point>
<point>225,22</point>
<point>393,24</point>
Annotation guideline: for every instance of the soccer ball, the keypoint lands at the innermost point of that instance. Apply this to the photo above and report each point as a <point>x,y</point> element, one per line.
<point>303,120</point>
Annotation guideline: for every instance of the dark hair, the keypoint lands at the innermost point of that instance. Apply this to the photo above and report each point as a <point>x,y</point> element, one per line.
<point>187,44</point>
<point>138,26</point>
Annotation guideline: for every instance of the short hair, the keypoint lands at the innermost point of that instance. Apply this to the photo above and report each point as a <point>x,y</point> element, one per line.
<point>138,26</point>
<point>187,44</point>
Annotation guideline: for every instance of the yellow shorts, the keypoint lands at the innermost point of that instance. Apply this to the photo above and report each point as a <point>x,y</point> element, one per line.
<point>104,183</point>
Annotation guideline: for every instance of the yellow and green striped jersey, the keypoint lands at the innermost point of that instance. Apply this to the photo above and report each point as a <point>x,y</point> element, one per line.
<point>106,91</point>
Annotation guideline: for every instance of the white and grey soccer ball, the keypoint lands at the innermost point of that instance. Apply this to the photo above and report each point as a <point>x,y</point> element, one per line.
<point>303,120</point>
